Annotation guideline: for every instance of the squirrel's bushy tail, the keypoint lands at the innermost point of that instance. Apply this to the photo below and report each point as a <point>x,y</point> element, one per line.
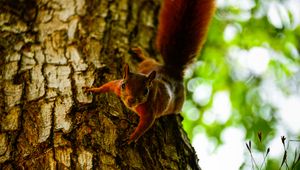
<point>181,33</point>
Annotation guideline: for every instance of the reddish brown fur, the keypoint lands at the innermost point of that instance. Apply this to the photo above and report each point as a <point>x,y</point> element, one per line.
<point>181,33</point>
<point>112,86</point>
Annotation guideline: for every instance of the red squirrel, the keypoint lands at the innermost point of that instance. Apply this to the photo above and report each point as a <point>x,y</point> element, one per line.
<point>157,89</point>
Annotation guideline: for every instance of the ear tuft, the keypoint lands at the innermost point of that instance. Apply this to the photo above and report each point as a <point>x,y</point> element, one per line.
<point>126,71</point>
<point>151,76</point>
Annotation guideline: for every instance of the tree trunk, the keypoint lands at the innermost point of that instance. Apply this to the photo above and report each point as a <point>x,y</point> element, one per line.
<point>49,50</point>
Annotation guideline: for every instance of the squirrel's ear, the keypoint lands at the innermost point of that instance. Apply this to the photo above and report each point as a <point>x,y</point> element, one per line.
<point>126,71</point>
<point>151,76</point>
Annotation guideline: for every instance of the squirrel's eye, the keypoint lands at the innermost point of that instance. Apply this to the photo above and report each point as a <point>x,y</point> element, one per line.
<point>123,86</point>
<point>146,91</point>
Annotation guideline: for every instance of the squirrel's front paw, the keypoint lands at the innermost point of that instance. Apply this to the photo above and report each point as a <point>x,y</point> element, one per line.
<point>133,138</point>
<point>130,140</point>
<point>85,89</point>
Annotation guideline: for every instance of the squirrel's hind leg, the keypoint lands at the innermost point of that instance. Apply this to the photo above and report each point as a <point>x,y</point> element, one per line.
<point>147,64</point>
<point>139,53</point>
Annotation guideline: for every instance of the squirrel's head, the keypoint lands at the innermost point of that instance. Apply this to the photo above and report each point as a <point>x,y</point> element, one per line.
<point>135,88</point>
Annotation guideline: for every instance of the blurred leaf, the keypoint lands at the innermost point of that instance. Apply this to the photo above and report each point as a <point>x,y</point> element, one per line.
<point>250,109</point>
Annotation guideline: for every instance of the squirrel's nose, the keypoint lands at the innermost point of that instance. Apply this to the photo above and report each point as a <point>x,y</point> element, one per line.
<point>130,101</point>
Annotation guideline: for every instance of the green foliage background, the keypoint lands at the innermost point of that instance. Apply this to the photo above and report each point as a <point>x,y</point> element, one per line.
<point>253,27</point>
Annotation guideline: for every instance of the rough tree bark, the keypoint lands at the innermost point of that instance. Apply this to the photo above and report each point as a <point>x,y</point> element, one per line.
<point>49,50</point>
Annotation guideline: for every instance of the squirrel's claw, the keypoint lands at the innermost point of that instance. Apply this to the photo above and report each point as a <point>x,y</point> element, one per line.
<point>138,52</point>
<point>125,141</point>
<point>129,141</point>
<point>86,89</point>
<point>133,138</point>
